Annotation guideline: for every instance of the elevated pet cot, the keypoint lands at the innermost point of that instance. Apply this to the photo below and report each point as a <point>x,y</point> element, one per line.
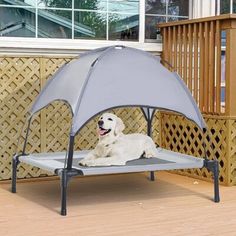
<point>106,78</point>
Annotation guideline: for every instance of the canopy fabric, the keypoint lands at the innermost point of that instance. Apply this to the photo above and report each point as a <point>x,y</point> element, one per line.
<point>117,76</point>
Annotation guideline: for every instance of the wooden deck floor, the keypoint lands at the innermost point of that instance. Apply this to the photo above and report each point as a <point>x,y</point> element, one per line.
<point>119,205</point>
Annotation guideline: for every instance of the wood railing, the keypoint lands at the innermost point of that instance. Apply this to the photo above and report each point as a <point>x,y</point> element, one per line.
<point>194,49</point>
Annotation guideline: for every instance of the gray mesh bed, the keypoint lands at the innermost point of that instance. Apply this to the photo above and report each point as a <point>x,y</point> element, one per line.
<point>166,160</point>
<point>108,78</point>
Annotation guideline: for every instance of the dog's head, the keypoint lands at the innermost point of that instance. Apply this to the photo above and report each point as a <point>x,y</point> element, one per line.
<point>110,125</point>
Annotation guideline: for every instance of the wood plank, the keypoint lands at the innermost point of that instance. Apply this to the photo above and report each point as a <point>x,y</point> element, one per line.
<point>118,205</point>
<point>206,68</point>
<point>185,54</point>
<point>230,82</point>
<point>196,55</point>
<point>218,67</point>
<point>225,18</point>
<point>180,48</point>
<point>169,47</point>
<point>202,66</point>
<point>190,52</point>
<point>211,68</point>
<point>165,46</point>
<point>175,47</point>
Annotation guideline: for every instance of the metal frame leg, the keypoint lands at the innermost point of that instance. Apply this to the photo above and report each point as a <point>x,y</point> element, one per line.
<point>65,176</point>
<point>15,162</point>
<point>152,175</point>
<point>216,182</point>
<point>213,166</point>
<point>64,183</point>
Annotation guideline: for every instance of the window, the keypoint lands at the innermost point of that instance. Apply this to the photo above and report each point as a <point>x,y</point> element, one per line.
<point>88,19</point>
<point>84,19</point>
<point>157,11</point>
<point>225,6</point>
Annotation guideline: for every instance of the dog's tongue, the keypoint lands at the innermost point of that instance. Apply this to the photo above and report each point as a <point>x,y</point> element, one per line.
<point>102,131</point>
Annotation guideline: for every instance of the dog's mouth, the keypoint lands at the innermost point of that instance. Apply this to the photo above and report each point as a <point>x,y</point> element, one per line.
<point>103,131</point>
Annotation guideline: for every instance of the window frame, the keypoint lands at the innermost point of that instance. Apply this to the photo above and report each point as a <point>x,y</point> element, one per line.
<point>218,7</point>
<point>37,45</point>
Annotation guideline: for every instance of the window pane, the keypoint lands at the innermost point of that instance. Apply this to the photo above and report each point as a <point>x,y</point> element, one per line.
<point>55,3</point>
<point>123,27</point>
<point>151,26</point>
<point>155,7</point>
<point>54,24</point>
<point>178,7</point>
<point>17,22</point>
<point>127,6</point>
<point>223,38</point>
<point>224,6</point>
<point>234,6</point>
<point>90,25</point>
<point>91,4</point>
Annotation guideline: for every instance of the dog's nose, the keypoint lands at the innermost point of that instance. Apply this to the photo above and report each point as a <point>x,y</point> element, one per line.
<point>100,122</point>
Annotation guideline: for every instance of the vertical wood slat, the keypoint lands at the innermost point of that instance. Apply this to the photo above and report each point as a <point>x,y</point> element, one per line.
<point>202,65</point>
<point>165,46</point>
<point>169,47</point>
<point>180,51</point>
<point>230,82</point>
<point>195,78</point>
<point>206,68</point>
<point>211,68</point>
<point>218,67</point>
<point>185,53</point>
<point>190,52</point>
<point>175,47</point>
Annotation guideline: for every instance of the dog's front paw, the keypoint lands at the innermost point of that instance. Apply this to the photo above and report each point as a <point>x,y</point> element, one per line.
<point>84,162</point>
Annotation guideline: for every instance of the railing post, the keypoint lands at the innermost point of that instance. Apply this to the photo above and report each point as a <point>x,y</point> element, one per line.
<point>230,73</point>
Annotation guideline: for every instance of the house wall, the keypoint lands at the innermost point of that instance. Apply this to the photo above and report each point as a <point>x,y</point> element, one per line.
<point>26,46</point>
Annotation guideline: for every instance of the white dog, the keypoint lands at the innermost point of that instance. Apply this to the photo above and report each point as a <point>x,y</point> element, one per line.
<point>116,148</point>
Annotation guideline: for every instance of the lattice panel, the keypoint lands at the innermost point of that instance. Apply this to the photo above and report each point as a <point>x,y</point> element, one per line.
<point>21,80</point>
<point>232,151</point>
<point>179,134</point>
<point>16,96</point>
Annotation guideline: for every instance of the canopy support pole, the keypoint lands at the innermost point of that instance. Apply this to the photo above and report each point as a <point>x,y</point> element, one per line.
<point>70,152</point>
<point>148,114</point>
<point>26,136</point>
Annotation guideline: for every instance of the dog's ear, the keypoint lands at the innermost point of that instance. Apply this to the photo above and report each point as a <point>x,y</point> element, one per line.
<point>119,126</point>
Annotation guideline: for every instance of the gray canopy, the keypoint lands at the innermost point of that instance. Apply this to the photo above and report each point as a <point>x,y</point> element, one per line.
<point>117,76</point>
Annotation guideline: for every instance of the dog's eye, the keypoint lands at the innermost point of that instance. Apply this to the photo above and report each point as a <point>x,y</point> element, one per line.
<point>101,118</point>
<point>110,119</point>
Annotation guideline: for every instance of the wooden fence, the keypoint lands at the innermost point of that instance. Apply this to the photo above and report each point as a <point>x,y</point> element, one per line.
<point>196,50</point>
